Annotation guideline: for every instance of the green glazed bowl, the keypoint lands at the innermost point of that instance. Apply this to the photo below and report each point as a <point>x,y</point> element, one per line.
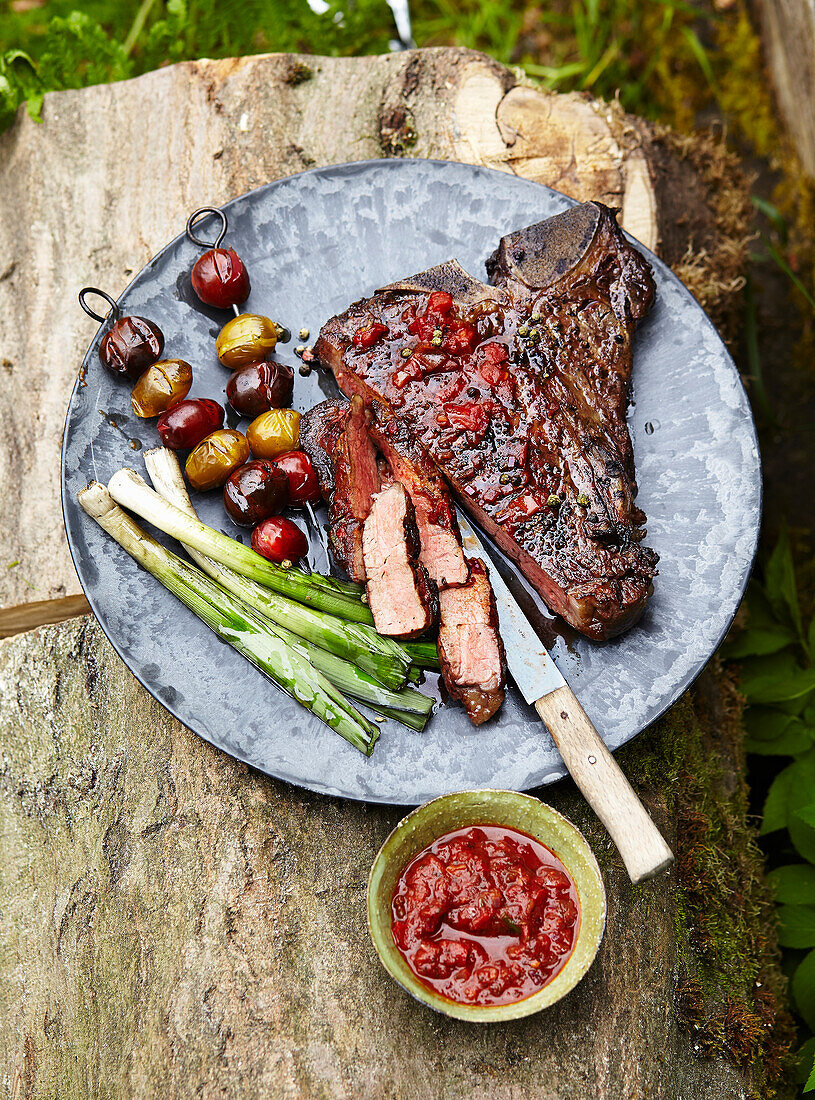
<point>516,811</point>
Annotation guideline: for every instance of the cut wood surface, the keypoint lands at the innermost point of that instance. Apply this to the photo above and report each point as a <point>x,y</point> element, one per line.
<point>113,171</point>
<point>174,924</point>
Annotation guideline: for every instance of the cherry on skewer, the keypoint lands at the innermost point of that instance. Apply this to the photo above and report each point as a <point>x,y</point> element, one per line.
<point>131,345</point>
<point>219,277</point>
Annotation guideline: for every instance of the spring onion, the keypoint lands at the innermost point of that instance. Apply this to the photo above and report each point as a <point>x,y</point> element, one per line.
<point>260,642</point>
<point>132,492</point>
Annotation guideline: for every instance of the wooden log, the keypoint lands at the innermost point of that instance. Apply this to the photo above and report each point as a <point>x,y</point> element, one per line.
<point>113,171</point>
<point>175,924</point>
<point>789,43</point>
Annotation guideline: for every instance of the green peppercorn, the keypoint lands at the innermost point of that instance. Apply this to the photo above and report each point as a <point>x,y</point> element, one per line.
<point>583,500</point>
<point>406,353</point>
<point>437,333</point>
<point>504,479</point>
<point>553,501</point>
<point>523,330</point>
<point>436,341</point>
<point>535,318</point>
<point>534,334</point>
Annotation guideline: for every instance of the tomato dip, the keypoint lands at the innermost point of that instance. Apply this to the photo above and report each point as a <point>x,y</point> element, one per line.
<point>485,915</point>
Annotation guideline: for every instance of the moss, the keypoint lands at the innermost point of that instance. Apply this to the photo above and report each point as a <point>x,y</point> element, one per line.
<point>714,271</point>
<point>729,991</point>
<point>299,72</point>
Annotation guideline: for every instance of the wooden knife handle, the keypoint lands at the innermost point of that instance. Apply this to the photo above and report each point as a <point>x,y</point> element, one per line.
<point>608,792</point>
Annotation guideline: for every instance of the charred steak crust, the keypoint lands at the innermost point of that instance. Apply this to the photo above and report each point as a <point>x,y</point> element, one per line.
<point>518,392</point>
<point>320,428</point>
<point>471,653</point>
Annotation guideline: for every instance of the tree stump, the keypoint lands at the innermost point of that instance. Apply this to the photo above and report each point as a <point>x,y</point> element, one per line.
<point>174,923</point>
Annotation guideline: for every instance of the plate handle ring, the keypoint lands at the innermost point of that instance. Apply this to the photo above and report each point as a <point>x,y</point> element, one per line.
<point>196,216</point>
<point>112,315</point>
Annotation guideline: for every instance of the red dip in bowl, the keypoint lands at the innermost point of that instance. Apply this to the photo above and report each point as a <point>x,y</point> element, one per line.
<point>485,915</point>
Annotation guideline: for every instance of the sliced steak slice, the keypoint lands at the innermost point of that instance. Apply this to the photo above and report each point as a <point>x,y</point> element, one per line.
<point>335,437</point>
<point>403,599</point>
<point>441,553</point>
<point>518,393</point>
<point>470,649</point>
<point>320,428</point>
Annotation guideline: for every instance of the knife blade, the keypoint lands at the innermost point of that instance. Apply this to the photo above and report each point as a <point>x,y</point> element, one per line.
<point>530,663</point>
<point>591,765</point>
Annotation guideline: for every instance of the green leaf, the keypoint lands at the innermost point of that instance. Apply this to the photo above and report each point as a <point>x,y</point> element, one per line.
<point>803,989</point>
<point>791,790</point>
<point>801,825</point>
<point>797,739</point>
<point>793,884</point>
<point>796,926</point>
<point>767,723</point>
<point>759,642</point>
<point>779,583</point>
<point>776,679</point>
<point>776,805</point>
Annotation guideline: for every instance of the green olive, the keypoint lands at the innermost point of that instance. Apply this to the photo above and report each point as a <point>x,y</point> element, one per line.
<point>273,433</point>
<point>213,460</point>
<point>161,386</point>
<point>246,339</point>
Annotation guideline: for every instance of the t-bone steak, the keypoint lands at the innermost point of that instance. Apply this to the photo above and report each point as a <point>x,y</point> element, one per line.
<point>517,390</point>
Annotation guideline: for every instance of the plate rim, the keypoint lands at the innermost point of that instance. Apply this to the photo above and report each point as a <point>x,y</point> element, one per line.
<point>346,168</point>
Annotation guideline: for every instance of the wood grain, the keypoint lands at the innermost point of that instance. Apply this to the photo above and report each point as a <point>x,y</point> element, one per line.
<point>605,787</point>
<point>789,43</point>
<point>177,925</point>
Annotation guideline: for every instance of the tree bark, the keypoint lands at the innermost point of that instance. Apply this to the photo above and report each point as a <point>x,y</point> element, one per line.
<point>789,43</point>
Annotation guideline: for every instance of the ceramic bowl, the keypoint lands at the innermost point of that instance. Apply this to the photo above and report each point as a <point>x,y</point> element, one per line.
<point>485,807</point>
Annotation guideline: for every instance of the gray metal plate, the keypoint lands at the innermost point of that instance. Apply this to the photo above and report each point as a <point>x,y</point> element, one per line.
<point>313,244</point>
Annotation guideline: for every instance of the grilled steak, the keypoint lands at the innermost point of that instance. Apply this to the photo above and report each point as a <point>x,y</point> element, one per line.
<point>441,553</point>
<point>320,428</point>
<point>403,600</point>
<point>472,658</point>
<point>517,391</point>
<point>470,648</point>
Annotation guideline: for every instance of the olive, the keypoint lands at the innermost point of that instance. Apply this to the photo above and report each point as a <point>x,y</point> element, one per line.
<point>131,345</point>
<point>214,459</point>
<point>184,425</point>
<point>279,540</point>
<point>245,339</point>
<point>304,488</point>
<point>258,387</point>
<point>161,386</point>
<point>220,279</point>
<point>254,492</point>
<point>274,432</point>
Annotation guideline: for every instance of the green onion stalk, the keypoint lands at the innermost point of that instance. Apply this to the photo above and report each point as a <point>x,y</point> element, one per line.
<point>423,654</point>
<point>382,658</point>
<point>131,491</point>
<point>260,642</point>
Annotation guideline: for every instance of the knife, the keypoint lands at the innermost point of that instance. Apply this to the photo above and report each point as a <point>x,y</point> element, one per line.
<point>591,765</point>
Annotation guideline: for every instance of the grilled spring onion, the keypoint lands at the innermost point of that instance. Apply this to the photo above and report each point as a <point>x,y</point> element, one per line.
<point>384,659</point>
<point>258,641</point>
<point>132,492</point>
<point>423,654</point>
